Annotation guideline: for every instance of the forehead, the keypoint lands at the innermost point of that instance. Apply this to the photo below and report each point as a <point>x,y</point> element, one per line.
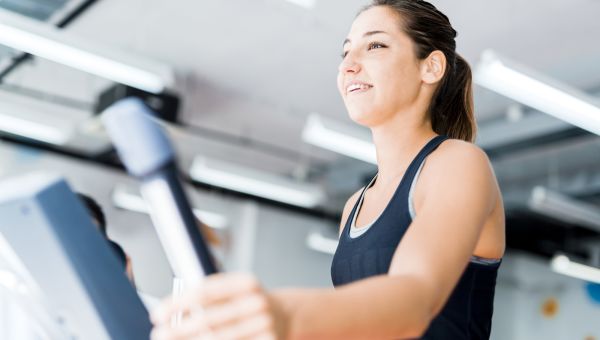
<point>380,18</point>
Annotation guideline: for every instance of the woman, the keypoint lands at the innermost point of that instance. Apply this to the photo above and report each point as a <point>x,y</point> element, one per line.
<point>420,246</point>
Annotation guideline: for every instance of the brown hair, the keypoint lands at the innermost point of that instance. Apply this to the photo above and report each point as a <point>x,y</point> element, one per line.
<point>451,108</point>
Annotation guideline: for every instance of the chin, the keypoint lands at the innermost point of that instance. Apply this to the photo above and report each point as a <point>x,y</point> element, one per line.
<point>364,118</point>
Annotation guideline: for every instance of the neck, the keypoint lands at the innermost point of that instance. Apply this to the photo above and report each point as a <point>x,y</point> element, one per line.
<point>397,142</point>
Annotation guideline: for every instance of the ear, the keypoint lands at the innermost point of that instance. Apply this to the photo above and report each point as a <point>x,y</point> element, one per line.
<point>433,67</point>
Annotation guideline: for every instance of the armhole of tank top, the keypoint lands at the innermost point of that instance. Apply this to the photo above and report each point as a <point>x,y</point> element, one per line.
<point>411,191</point>
<point>411,206</point>
<point>353,232</point>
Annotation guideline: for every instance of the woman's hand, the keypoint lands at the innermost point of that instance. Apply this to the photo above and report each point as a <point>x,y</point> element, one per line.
<point>223,306</point>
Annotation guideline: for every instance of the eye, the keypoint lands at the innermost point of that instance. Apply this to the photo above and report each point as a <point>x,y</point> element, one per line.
<point>344,54</point>
<point>375,45</point>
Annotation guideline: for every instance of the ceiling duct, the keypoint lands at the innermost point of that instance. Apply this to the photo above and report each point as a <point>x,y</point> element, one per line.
<point>564,208</point>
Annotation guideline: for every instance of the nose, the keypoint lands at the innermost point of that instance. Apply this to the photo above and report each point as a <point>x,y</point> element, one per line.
<point>349,65</point>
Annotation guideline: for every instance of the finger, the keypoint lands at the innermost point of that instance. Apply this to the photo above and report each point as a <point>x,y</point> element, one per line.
<point>259,325</point>
<point>192,328</point>
<point>213,289</point>
<point>203,321</point>
<point>241,308</point>
<point>225,286</point>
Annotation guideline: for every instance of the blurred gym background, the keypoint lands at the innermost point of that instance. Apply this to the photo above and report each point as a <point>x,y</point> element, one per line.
<point>246,90</point>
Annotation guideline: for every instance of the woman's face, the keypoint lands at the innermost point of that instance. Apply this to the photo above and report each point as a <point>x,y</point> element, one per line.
<point>379,74</point>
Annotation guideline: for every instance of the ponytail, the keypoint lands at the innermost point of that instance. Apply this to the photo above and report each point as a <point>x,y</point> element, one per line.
<point>451,109</point>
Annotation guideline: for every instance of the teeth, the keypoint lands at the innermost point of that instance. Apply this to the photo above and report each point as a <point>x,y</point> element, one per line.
<point>353,87</point>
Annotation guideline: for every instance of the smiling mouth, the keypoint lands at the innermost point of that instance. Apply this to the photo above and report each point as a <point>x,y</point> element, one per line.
<point>355,88</point>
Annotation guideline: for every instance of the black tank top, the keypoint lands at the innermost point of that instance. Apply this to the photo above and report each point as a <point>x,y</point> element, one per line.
<point>468,312</point>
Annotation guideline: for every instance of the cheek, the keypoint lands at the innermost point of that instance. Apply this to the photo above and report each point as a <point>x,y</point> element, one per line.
<point>339,84</point>
<point>402,85</point>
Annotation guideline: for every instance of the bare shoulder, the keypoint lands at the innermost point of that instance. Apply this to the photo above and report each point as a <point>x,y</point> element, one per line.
<point>459,168</point>
<point>459,157</point>
<point>348,207</point>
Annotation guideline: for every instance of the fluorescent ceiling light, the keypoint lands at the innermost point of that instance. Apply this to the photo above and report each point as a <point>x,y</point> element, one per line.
<point>254,182</point>
<point>51,123</point>
<point>50,43</point>
<point>340,138</point>
<point>132,202</point>
<point>563,265</point>
<point>308,4</point>
<point>19,119</point>
<point>564,208</point>
<point>320,243</point>
<point>539,92</point>
<point>32,129</point>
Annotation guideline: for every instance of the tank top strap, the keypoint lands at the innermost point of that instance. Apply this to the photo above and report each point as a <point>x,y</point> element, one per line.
<point>414,166</point>
<point>348,222</point>
<point>399,204</point>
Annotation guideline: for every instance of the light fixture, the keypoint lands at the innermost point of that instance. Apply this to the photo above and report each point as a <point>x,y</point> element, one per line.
<point>334,136</point>
<point>320,243</point>
<point>255,182</point>
<point>538,91</point>
<point>71,129</point>
<point>564,208</point>
<point>125,200</point>
<point>32,129</point>
<point>563,265</point>
<point>50,43</point>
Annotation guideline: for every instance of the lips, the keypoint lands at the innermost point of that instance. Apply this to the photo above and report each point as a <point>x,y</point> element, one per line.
<point>357,86</point>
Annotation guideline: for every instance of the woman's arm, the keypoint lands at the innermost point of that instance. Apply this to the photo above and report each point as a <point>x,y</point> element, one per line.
<point>381,307</point>
<point>426,265</point>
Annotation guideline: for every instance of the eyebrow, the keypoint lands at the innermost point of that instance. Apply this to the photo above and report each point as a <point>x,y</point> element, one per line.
<point>365,35</point>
